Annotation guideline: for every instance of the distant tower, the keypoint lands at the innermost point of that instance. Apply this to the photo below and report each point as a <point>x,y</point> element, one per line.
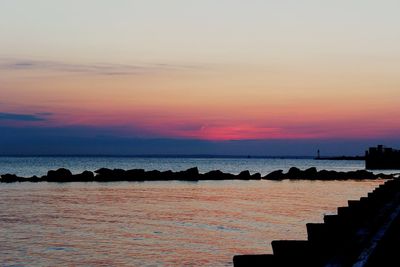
<point>318,154</point>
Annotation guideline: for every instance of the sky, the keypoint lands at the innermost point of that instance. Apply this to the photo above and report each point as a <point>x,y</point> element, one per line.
<point>213,77</point>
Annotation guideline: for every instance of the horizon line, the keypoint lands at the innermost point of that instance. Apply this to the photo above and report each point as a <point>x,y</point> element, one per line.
<point>173,156</point>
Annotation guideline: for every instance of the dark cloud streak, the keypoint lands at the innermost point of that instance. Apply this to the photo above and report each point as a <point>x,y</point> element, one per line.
<point>97,68</point>
<point>24,117</point>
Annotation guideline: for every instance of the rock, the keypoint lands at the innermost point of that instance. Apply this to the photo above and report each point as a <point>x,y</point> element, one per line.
<point>310,173</point>
<point>168,175</point>
<point>275,175</point>
<point>104,174</point>
<point>362,174</point>
<point>135,175</point>
<point>154,175</point>
<point>191,174</point>
<point>34,179</point>
<point>244,175</point>
<point>9,178</point>
<point>294,173</point>
<point>214,175</point>
<point>85,176</point>
<point>103,171</point>
<point>60,175</point>
<point>328,175</point>
<point>118,175</point>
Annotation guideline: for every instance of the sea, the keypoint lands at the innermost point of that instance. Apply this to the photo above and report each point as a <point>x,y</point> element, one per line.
<point>168,223</point>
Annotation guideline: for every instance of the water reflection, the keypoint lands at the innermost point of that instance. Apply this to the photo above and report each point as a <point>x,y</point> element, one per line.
<point>160,223</point>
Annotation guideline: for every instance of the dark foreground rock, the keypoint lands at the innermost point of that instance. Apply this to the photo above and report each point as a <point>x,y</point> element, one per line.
<point>137,175</point>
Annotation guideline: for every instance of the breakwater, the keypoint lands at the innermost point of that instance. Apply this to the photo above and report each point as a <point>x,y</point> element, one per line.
<point>365,233</point>
<point>192,174</point>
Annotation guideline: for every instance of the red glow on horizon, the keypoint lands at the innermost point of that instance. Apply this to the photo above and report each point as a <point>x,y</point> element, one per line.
<point>237,132</point>
<point>123,124</point>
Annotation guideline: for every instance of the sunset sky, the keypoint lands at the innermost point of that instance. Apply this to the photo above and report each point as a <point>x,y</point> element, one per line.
<point>198,72</point>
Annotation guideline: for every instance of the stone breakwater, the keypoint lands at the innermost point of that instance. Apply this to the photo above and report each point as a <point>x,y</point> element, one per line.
<point>366,233</point>
<point>192,174</point>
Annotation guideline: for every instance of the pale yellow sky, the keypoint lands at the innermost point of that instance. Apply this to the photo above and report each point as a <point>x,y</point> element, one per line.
<point>222,64</point>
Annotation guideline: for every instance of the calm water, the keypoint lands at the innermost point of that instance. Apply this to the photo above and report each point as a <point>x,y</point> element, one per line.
<point>159,223</point>
<point>28,166</point>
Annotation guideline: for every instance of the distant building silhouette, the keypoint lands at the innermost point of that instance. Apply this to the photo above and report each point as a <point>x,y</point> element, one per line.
<point>382,157</point>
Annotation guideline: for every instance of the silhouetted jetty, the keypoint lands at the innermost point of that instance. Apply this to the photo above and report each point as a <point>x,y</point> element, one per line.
<point>139,175</point>
<point>319,157</point>
<point>341,158</point>
<point>381,157</point>
<point>365,233</point>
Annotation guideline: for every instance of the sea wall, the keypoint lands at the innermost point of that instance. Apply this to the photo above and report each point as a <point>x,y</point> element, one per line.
<point>192,174</point>
<point>365,233</point>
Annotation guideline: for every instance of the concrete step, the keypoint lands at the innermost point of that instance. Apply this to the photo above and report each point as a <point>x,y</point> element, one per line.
<point>261,260</point>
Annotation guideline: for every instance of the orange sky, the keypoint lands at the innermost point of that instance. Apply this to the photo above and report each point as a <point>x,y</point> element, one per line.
<point>215,71</point>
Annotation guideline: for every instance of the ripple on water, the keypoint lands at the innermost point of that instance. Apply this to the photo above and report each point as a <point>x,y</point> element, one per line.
<point>159,223</point>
